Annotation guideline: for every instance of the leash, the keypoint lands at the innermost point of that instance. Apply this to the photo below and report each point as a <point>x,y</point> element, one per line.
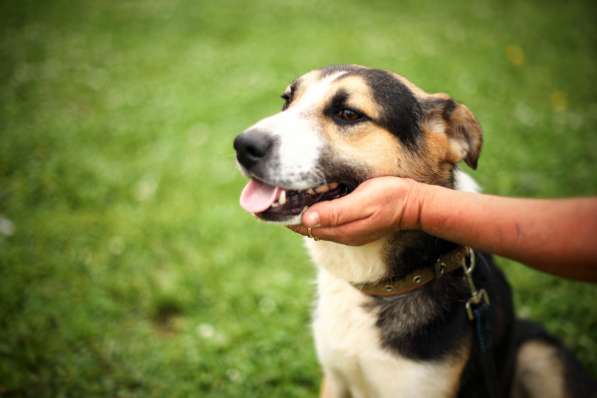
<point>477,310</point>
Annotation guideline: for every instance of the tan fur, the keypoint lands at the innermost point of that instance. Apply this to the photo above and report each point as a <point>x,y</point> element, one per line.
<point>539,372</point>
<point>371,147</point>
<point>462,130</point>
<point>439,161</point>
<point>465,130</point>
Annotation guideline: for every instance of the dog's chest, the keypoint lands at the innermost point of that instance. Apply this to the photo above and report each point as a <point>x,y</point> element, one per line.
<point>349,348</point>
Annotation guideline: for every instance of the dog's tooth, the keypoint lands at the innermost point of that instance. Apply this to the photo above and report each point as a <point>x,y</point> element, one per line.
<point>333,185</point>
<point>282,198</point>
<point>275,204</point>
<point>310,191</point>
<point>322,189</point>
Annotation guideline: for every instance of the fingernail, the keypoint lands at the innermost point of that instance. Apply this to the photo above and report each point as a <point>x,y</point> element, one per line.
<point>311,219</point>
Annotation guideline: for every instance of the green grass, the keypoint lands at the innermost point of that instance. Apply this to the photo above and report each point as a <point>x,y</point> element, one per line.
<point>131,270</point>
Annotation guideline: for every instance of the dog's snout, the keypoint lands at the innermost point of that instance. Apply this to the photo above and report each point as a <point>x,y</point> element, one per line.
<point>252,147</point>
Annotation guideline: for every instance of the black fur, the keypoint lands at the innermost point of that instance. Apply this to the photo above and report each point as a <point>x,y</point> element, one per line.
<point>409,250</point>
<point>337,103</point>
<point>491,278</point>
<point>346,173</point>
<point>401,112</point>
<point>288,96</point>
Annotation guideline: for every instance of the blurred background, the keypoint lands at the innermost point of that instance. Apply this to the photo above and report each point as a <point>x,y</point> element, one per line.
<point>127,268</point>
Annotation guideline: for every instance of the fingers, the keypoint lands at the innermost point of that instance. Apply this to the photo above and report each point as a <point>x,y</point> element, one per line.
<point>354,234</point>
<point>336,212</point>
<point>373,209</point>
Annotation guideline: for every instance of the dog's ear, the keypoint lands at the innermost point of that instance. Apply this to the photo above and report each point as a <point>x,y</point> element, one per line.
<point>459,124</point>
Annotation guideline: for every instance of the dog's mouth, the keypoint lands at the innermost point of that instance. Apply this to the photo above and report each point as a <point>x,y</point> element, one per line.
<point>278,204</point>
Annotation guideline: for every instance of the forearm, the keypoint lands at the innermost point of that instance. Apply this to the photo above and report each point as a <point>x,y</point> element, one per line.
<point>555,236</point>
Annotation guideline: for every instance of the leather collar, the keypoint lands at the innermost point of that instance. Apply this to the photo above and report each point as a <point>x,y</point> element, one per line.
<point>392,287</point>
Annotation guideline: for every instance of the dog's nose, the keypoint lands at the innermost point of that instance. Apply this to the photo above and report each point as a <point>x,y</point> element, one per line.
<point>252,147</point>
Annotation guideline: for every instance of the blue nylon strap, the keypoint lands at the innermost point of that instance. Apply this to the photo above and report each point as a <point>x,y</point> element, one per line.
<point>483,337</point>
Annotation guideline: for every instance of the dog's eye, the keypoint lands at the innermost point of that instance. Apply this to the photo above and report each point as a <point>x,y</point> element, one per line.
<point>349,115</point>
<point>286,97</point>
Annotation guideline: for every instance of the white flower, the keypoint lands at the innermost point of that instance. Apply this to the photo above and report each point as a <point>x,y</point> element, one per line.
<point>7,227</point>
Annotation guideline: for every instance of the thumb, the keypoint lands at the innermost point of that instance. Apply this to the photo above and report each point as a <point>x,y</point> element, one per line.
<point>332,213</point>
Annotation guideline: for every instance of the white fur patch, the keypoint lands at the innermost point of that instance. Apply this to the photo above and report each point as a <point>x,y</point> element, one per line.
<point>356,264</point>
<point>464,182</point>
<point>299,145</point>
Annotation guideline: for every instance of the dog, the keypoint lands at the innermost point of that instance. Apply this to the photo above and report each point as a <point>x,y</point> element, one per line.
<point>339,126</point>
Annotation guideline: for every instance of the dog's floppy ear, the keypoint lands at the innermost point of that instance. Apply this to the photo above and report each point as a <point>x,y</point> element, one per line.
<point>462,128</point>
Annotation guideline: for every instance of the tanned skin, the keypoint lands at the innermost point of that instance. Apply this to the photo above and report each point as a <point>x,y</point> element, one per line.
<point>557,236</point>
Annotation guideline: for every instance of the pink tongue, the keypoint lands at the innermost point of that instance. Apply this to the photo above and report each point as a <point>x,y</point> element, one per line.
<point>257,196</point>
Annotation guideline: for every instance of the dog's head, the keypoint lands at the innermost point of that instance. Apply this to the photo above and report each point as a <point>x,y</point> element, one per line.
<point>342,125</point>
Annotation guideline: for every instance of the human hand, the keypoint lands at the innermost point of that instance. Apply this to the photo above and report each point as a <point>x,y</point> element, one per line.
<point>375,208</point>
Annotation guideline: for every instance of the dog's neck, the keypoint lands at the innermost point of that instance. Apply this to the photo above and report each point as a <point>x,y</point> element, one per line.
<point>390,257</point>
<point>408,251</point>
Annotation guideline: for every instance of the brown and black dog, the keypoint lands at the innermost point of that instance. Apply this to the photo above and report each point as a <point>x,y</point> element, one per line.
<point>344,124</point>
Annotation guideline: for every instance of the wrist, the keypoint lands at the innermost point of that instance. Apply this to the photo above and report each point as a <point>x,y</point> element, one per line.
<point>438,205</point>
<point>414,202</point>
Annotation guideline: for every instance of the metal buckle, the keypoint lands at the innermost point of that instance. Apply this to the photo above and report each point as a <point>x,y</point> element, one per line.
<point>477,296</point>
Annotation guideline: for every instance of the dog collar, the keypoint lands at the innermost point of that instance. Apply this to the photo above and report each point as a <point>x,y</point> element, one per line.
<point>392,287</point>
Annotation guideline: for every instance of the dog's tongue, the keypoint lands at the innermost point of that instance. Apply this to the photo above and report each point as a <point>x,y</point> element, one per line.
<point>257,196</point>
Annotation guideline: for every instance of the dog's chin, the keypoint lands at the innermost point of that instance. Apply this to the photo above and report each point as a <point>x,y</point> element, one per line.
<point>287,220</point>
<point>283,215</point>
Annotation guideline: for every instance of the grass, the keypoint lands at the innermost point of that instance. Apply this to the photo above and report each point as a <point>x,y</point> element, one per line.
<point>127,268</point>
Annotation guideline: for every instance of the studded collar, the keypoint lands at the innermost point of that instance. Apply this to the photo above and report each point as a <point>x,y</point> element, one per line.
<point>394,287</point>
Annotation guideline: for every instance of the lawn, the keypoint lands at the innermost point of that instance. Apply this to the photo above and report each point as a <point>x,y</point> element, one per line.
<point>127,268</point>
